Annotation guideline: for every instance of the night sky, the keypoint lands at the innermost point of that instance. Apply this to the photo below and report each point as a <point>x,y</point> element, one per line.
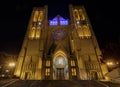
<point>104,17</point>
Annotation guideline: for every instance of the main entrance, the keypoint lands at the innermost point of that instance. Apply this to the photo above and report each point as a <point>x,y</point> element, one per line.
<point>60,74</point>
<point>60,68</point>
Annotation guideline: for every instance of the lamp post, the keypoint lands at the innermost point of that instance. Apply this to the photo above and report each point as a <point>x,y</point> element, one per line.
<point>110,65</point>
<point>12,66</point>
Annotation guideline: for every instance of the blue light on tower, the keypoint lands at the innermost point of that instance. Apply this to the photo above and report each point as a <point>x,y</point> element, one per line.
<point>53,22</point>
<point>63,22</point>
<point>58,20</point>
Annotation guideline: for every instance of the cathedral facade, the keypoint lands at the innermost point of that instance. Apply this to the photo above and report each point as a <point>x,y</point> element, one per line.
<point>60,49</point>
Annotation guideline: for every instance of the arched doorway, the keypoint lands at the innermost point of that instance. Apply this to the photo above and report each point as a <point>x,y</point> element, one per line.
<point>94,75</point>
<point>60,67</point>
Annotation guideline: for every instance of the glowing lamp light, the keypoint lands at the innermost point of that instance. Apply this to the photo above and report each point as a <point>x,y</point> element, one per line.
<point>117,63</point>
<point>39,23</point>
<point>11,64</point>
<point>3,75</point>
<point>109,63</point>
<point>78,22</point>
<point>7,70</point>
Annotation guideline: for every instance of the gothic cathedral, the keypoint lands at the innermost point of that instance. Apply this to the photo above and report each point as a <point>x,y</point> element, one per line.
<point>60,49</point>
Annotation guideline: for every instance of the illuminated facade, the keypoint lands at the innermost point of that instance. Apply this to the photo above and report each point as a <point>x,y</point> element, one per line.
<point>60,49</point>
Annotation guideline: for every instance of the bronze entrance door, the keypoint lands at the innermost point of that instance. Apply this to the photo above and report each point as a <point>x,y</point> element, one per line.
<point>60,74</point>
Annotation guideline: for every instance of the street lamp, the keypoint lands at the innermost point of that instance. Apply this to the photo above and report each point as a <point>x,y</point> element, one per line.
<point>109,63</point>
<point>12,65</point>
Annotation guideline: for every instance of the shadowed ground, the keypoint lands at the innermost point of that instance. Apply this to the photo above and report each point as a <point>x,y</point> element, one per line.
<point>55,83</point>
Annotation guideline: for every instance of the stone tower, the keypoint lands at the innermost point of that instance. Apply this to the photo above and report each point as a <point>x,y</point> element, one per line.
<point>60,49</point>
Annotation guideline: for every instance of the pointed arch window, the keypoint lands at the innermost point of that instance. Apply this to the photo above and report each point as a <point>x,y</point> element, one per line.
<point>73,71</point>
<point>48,63</point>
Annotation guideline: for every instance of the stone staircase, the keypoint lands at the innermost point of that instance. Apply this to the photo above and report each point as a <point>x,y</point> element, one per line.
<point>61,83</point>
<point>69,83</point>
<point>111,84</point>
